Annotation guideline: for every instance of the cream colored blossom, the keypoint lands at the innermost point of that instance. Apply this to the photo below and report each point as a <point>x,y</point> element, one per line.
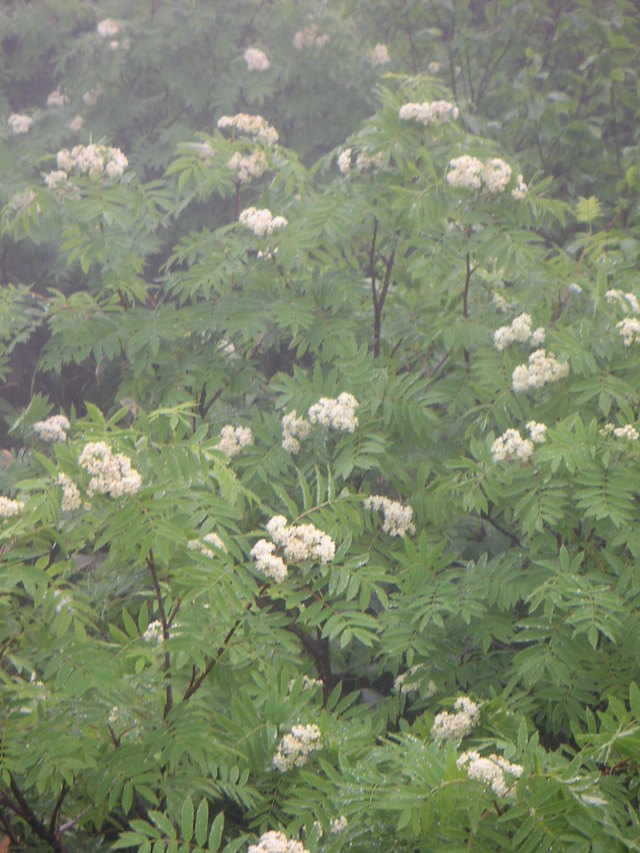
<point>541,370</point>
<point>365,161</point>
<point>338,824</point>
<point>71,499</point>
<point>511,445</point>
<point>246,167</point>
<point>19,123</point>
<point>520,189</point>
<point>344,161</point>
<point>627,431</point>
<point>338,413</point>
<point>404,683</point>
<point>500,302</point>
<point>93,160</point>
<point>396,516</point>
<point>627,301</point>
<point>496,174</point>
<point>113,473</point>
<point>261,221</point>
<point>256,59</point>
<point>52,429</point>
<point>75,126</point>
<point>153,633</point>
<point>294,748</point>
<point>211,539</point>
<point>519,330</point>
<point>233,439</point>
<point>107,28</point>
<point>309,37</point>
<point>301,541</point>
<point>466,172</point>
<point>91,96</point>
<point>427,113</point>
<point>294,429</point>
<point>537,431</point>
<point>448,726</point>
<point>276,842</point>
<point>629,329</point>
<point>56,178</point>
<point>9,507</point>
<point>57,99</point>
<point>268,562</point>
<point>490,770</point>
<point>434,67</point>
<point>380,55</point>
<point>255,126</point>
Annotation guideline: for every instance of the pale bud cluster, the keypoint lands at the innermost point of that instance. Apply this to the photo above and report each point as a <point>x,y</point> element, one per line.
<point>344,161</point>
<point>210,539</point>
<point>403,683</point>
<point>500,302</point>
<point>248,166</point>
<point>276,842</point>
<point>71,499</point>
<point>256,59</point>
<point>227,348</point>
<point>338,824</point>
<point>511,445</point>
<point>628,301</point>
<point>380,55</point>
<point>256,127</point>
<point>434,112</point>
<point>294,748</point>
<point>93,160</point>
<point>301,541</point>
<point>56,178</point>
<point>489,770</point>
<point>471,173</point>
<point>113,473</point>
<point>396,517</point>
<point>10,507</point>
<point>541,370</point>
<point>627,431</point>
<point>308,37</point>
<point>629,329</point>
<point>57,99</point>
<point>338,413</point>
<point>107,28</point>
<point>261,221</point>
<point>537,431</point>
<point>233,439</point>
<point>90,97</point>
<point>519,331</point>
<point>19,123</point>
<point>365,161</point>
<point>448,726</point>
<point>434,67</point>
<point>75,125</point>
<point>52,429</point>
<point>153,633</point>
<point>294,429</point>
<point>268,562</point>
<point>520,189</point>
<point>308,683</point>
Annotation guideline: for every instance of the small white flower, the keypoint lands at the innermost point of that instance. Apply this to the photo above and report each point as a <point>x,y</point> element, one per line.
<point>9,507</point>
<point>294,749</point>
<point>233,439</point>
<point>511,445</point>
<point>57,99</point>
<point>338,413</point>
<point>427,113</point>
<point>53,429</point>
<point>380,55</point>
<point>294,429</point>
<point>19,123</point>
<point>107,28</point>
<point>256,59</point>
<point>448,726</point>
<point>344,161</point>
<point>261,221</point>
<point>396,516</point>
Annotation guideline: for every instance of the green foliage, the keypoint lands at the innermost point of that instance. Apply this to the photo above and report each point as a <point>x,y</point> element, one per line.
<point>338,534</point>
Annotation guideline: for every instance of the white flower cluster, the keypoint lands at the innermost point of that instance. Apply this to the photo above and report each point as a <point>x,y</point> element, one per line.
<point>52,429</point>
<point>57,99</point>
<point>338,824</point>
<point>365,161</point>
<point>256,127</point>
<point>338,413</point>
<point>233,439</point>
<point>629,329</point>
<point>56,178</point>
<point>294,748</point>
<point>520,331</point>
<point>107,28</point>
<point>268,562</point>
<point>448,726</point>
<point>227,348</point>
<point>153,634</point>
<point>210,539</point>
<point>276,842</point>
<point>396,517</point>
<point>628,301</point>
<point>489,770</point>
<point>9,507</point>
<point>471,173</point>
<point>294,429</point>
<point>112,473</point>
<point>434,112</point>
<point>520,189</point>
<point>380,55</point>
<point>75,126</point>
<point>261,221</point>
<point>434,67</point>
<point>344,161</point>
<point>256,59</point>
<point>90,97</point>
<point>500,302</point>
<point>19,123</point>
<point>308,37</point>
<point>541,370</point>
<point>536,431</point>
<point>301,541</point>
<point>511,445</point>
<point>308,683</point>
<point>71,499</point>
<point>403,684</point>
<point>627,431</point>
<point>92,160</point>
<point>248,166</point>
